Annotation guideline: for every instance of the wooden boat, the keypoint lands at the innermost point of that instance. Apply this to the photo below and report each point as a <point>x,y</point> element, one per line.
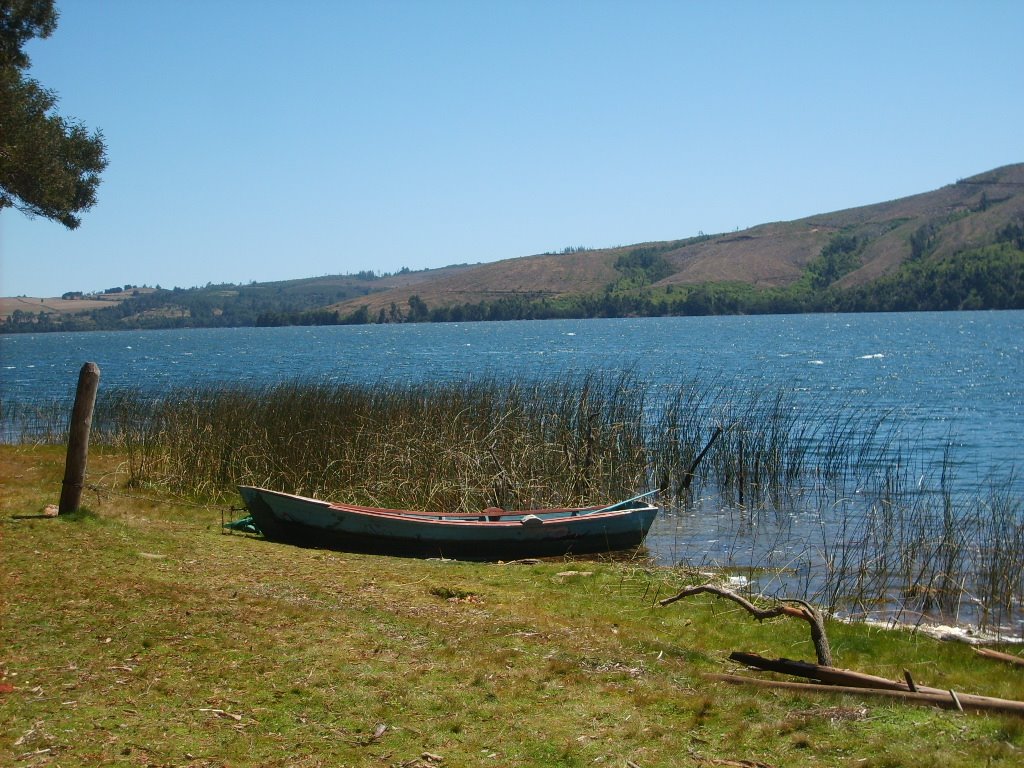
<point>493,533</point>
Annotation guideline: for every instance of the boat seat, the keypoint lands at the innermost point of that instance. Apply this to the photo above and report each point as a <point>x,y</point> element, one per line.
<point>493,513</point>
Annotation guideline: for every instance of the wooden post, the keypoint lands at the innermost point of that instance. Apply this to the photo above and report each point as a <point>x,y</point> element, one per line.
<point>78,438</point>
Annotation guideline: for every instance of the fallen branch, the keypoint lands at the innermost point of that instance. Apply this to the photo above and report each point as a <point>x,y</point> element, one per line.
<point>946,699</point>
<point>827,674</point>
<point>1007,657</point>
<point>802,610</point>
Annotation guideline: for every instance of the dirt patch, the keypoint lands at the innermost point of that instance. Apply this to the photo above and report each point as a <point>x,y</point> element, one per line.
<point>8,305</point>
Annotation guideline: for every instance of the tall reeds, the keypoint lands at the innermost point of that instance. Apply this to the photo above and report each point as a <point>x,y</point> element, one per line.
<point>458,447</point>
<point>927,555</point>
<point>831,501</point>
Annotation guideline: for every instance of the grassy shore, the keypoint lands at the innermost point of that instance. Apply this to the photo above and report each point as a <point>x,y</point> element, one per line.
<point>136,633</point>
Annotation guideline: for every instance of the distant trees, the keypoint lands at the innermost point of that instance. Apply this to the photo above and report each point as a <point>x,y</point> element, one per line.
<point>991,277</point>
<point>838,258</point>
<point>923,240</point>
<point>49,166</point>
<point>1012,233</point>
<point>418,312</point>
<point>986,278</point>
<point>360,317</point>
<point>643,266</point>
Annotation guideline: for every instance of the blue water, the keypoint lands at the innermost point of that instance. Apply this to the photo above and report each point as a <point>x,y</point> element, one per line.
<point>956,374</point>
<point>945,378</point>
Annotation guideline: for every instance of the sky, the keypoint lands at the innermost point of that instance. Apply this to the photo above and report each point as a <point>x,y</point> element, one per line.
<point>255,140</point>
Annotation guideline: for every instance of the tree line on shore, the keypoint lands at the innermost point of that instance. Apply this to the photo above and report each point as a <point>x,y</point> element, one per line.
<point>991,277</point>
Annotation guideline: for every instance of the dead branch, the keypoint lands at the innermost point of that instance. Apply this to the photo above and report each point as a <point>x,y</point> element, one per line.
<point>801,610</point>
<point>947,699</point>
<point>828,675</point>
<point>1007,657</point>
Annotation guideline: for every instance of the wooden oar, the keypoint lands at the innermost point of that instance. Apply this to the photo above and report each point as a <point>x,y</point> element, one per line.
<point>618,504</point>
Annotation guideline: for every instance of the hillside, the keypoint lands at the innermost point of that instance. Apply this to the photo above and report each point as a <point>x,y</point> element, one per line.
<point>960,246</point>
<point>957,217</point>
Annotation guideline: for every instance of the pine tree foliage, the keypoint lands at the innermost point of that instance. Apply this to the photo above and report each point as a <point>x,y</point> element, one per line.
<point>49,166</point>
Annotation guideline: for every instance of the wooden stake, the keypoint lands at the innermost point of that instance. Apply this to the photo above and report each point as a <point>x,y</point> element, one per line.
<point>910,681</point>
<point>78,439</point>
<point>956,700</point>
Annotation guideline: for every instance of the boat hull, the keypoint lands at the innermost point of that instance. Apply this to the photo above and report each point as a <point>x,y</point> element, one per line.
<point>311,522</point>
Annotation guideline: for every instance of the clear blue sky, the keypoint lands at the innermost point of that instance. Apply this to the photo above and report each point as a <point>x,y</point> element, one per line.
<point>259,140</point>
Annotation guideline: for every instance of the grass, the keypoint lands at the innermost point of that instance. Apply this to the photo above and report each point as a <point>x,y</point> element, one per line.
<point>138,634</point>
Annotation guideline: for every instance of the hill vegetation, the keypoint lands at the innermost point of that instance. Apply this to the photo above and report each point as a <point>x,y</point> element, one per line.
<point>958,247</point>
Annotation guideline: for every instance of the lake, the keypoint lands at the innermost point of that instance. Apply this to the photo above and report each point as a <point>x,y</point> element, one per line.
<point>956,374</point>
<point>947,379</point>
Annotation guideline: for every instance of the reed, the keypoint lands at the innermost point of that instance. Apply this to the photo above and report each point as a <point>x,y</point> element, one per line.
<point>887,538</point>
<point>30,422</point>
<point>460,446</point>
<point>915,553</point>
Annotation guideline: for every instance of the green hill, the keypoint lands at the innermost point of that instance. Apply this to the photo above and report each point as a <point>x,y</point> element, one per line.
<point>840,251</point>
<point>957,247</point>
